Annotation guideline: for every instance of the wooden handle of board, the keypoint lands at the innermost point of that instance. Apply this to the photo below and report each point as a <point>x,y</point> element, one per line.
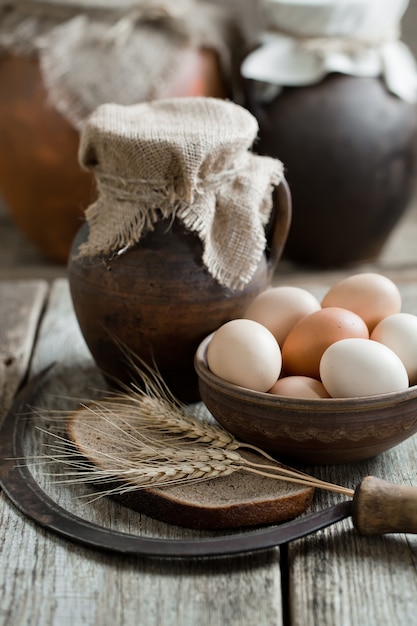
<point>381,507</point>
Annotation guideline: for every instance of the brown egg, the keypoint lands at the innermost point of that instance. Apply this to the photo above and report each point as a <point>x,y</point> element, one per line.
<point>299,387</point>
<point>312,335</point>
<point>280,308</point>
<point>371,295</point>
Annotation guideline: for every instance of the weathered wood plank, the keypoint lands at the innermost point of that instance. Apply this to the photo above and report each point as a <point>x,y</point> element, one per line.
<point>50,581</point>
<point>336,576</point>
<point>340,577</point>
<point>21,304</point>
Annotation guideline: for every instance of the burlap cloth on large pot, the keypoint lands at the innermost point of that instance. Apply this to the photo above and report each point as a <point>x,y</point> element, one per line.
<point>183,158</point>
<point>96,51</point>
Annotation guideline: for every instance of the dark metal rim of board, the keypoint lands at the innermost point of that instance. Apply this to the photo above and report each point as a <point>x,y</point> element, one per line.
<point>22,489</point>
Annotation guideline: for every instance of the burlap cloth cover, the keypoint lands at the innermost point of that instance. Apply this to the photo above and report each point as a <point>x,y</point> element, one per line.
<point>184,158</point>
<point>96,51</point>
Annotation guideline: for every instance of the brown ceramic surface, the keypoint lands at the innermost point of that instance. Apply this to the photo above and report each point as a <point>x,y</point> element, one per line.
<point>322,431</point>
<point>41,181</point>
<point>349,149</point>
<point>159,299</point>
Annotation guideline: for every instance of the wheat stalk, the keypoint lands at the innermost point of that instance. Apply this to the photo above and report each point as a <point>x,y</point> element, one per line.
<point>147,438</point>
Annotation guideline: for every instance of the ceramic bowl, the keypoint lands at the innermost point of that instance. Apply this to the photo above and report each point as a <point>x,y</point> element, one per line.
<point>322,431</point>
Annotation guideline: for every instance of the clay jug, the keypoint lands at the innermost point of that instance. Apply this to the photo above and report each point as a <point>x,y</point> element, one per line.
<point>158,298</point>
<point>43,187</point>
<point>41,182</point>
<point>350,151</point>
<point>334,91</point>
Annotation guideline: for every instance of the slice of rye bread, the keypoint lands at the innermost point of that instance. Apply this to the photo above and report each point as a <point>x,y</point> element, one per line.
<point>238,500</point>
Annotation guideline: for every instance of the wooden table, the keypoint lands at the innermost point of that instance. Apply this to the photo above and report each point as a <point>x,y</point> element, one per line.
<point>332,577</point>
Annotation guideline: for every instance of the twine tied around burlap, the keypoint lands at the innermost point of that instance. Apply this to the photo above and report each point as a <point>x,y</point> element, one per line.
<point>181,158</point>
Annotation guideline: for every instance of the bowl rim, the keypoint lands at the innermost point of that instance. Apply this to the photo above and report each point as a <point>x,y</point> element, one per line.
<point>324,404</point>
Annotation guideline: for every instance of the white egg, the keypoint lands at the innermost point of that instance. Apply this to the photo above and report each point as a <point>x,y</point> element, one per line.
<point>361,367</point>
<point>399,332</point>
<point>245,353</point>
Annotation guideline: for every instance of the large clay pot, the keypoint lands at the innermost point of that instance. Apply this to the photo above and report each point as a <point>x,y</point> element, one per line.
<point>41,181</point>
<point>159,300</point>
<point>349,148</point>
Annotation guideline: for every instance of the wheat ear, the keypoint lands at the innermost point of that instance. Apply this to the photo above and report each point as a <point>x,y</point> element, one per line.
<point>148,439</point>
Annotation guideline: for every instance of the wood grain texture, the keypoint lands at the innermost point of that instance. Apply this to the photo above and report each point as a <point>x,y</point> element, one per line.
<point>380,507</point>
<point>21,304</point>
<point>50,581</point>
<point>333,577</point>
<point>340,577</point>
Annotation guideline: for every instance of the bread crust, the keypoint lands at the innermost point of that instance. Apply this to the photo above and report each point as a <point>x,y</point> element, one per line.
<point>238,500</point>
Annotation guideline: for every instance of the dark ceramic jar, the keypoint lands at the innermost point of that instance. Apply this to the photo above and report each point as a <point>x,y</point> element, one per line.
<point>334,90</point>
<point>160,301</point>
<point>183,235</point>
<point>349,148</point>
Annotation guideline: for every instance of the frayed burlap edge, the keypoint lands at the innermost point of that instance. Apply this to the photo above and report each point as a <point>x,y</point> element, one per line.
<point>68,45</point>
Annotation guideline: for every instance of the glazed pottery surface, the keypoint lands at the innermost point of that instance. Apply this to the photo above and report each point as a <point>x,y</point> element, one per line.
<point>320,431</point>
<point>159,300</point>
<point>349,148</point>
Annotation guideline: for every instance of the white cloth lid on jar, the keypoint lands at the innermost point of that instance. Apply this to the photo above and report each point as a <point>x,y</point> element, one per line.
<point>318,18</point>
<point>74,5</point>
<point>70,8</point>
<point>304,40</point>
